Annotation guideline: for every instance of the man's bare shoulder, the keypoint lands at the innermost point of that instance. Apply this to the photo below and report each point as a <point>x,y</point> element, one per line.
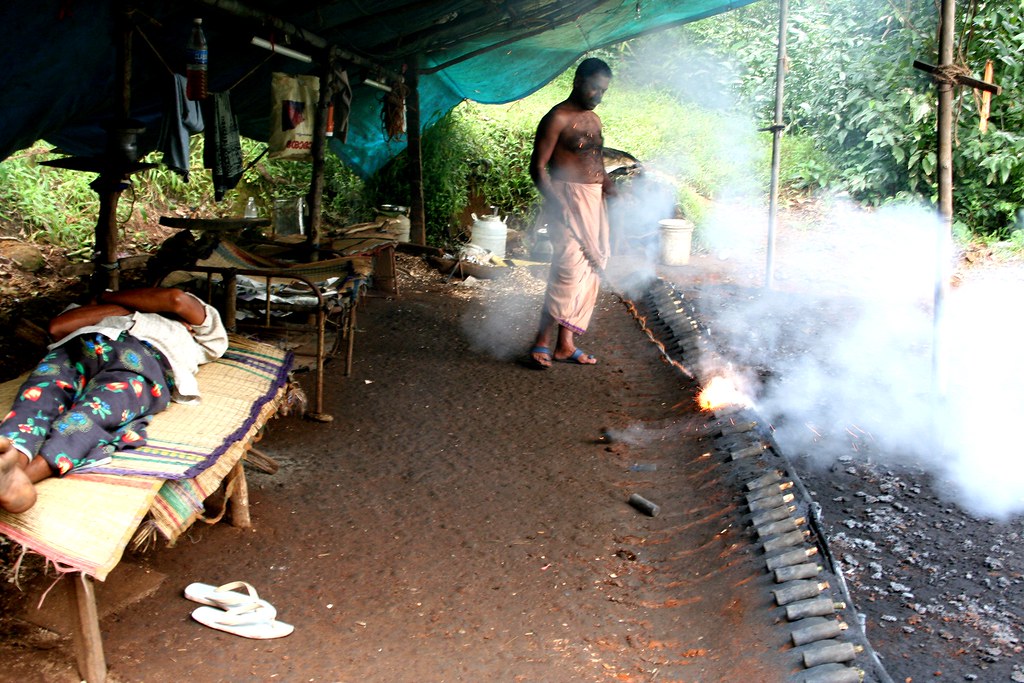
<point>561,114</point>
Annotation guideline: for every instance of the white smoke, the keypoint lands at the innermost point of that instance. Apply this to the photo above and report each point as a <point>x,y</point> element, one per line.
<point>501,322</point>
<point>845,345</point>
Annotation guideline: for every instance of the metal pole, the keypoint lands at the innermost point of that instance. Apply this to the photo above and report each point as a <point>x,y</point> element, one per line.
<point>777,128</point>
<point>947,22</point>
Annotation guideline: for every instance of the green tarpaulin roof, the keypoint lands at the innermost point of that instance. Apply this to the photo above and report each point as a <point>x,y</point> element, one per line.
<point>59,67</point>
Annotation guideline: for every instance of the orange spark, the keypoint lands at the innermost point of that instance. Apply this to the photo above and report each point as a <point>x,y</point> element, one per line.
<point>721,391</point>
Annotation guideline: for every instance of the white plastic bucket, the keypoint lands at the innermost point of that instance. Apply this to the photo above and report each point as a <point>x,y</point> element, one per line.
<point>676,240</point>
<point>490,233</point>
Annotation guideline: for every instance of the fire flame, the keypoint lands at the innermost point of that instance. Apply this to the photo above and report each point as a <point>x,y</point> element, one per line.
<point>721,391</point>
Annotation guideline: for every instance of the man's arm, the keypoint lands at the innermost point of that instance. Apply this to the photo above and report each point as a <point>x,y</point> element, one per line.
<point>83,316</point>
<point>544,144</point>
<point>148,300</point>
<point>158,300</point>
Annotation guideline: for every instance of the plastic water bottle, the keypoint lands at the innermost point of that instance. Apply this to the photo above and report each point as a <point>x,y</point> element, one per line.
<point>250,208</point>
<point>196,58</point>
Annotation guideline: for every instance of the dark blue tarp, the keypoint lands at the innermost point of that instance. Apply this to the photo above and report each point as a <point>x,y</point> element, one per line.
<point>59,82</point>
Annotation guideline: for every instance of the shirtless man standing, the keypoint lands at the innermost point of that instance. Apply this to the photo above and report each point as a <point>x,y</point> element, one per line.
<point>567,167</point>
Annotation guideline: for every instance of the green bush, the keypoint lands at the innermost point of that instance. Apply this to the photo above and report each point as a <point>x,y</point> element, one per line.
<point>47,204</point>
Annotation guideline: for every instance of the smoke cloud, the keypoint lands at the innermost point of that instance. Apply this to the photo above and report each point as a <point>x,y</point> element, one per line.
<point>844,351</point>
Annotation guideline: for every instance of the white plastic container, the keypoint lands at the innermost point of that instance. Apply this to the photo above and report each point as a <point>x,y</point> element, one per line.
<point>676,241</point>
<point>490,233</point>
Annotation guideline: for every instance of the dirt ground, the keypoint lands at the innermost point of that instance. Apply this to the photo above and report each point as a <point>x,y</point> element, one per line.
<point>464,518</point>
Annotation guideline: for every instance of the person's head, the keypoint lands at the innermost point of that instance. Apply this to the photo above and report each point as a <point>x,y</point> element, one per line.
<point>592,78</point>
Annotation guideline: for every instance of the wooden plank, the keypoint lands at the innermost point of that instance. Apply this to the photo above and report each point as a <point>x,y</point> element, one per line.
<point>962,80</point>
<point>213,224</point>
<point>92,665</point>
<point>239,497</point>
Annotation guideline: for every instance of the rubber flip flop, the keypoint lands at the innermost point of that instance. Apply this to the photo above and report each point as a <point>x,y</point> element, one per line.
<point>536,363</point>
<point>255,620</point>
<point>575,357</point>
<point>224,596</point>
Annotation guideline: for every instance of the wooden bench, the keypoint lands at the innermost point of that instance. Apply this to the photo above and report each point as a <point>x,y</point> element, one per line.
<point>191,451</point>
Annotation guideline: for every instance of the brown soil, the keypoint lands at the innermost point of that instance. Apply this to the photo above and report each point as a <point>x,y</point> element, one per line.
<point>464,519</point>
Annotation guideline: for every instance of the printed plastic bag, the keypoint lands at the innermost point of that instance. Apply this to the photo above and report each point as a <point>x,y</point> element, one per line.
<point>293,115</point>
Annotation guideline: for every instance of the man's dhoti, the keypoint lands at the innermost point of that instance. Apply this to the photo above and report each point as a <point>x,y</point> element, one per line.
<point>580,253</point>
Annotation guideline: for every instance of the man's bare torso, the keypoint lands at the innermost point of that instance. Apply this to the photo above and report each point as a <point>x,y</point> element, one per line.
<point>577,156</point>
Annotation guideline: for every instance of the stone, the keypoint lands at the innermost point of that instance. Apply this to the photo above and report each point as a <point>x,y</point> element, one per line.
<point>25,256</point>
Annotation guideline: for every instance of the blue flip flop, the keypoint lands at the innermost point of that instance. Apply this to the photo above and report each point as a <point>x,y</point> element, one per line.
<point>536,363</point>
<point>575,357</point>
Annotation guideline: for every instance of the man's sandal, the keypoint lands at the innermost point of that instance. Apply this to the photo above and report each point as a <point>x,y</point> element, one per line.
<point>535,362</point>
<point>577,357</point>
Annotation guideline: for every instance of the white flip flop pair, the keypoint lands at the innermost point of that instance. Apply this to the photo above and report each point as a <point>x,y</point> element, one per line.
<point>240,613</point>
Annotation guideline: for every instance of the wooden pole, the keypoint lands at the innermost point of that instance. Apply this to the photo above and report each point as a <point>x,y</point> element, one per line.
<point>777,128</point>
<point>92,664</point>
<point>110,184</point>
<point>947,19</point>
<point>417,203</point>
<point>318,150</point>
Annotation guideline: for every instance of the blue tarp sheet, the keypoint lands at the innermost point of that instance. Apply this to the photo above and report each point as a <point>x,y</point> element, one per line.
<point>59,64</point>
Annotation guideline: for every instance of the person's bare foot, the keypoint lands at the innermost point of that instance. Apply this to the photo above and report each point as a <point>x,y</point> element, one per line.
<point>17,493</point>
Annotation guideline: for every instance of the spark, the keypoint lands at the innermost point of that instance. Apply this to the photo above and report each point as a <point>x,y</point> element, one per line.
<point>721,391</point>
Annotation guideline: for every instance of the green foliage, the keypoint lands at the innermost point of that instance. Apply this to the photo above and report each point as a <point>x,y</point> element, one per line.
<point>59,207</point>
<point>851,87</point>
<point>709,152</point>
<point>344,199</point>
<point>54,206</point>
<point>691,204</point>
<point>447,153</point>
<point>502,138</point>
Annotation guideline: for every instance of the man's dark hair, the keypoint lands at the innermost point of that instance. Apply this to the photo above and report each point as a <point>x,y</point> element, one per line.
<point>592,65</point>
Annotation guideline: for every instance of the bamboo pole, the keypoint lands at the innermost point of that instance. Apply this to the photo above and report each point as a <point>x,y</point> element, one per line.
<point>777,128</point>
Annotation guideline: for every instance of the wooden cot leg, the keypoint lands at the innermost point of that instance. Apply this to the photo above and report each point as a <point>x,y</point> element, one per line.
<point>239,497</point>
<point>318,413</point>
<point>350,323</point>
<point>92,665</point>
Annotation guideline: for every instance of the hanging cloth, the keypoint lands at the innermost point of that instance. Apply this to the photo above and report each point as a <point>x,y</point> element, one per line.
<point>223,146</point>
<point>182,119</point>
<point>342,102</point>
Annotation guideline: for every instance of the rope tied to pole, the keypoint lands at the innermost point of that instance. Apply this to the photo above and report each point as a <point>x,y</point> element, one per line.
<point>950,74</point>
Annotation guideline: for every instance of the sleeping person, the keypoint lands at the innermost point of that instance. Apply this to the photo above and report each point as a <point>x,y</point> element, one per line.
<point>117,362</point>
